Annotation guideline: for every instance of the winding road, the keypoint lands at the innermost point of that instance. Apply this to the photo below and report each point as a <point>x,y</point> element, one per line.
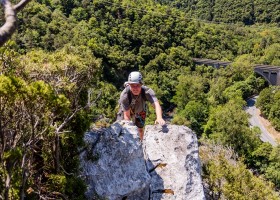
<point>255,121</point>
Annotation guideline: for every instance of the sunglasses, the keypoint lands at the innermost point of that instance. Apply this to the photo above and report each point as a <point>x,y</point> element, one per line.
<point>135,85</point>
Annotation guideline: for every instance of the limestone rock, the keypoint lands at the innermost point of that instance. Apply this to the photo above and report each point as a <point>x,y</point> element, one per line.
<point>173,162</point>
<point>113,164</point>
<point>116,165</point>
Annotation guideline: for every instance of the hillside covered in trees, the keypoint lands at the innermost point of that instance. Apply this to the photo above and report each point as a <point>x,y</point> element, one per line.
<point>63,70</point>
<point>247,12</point>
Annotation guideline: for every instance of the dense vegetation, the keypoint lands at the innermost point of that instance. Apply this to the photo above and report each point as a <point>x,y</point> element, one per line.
<point>64,69</point>
<point>269,104</point>
<point>247,11</point>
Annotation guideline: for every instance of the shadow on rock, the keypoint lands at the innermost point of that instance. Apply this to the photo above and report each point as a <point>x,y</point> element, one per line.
<point>113,164</point>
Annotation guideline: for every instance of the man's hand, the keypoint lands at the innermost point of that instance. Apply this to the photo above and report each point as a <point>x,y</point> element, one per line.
<point>160,121</point>
<point>126,115</point>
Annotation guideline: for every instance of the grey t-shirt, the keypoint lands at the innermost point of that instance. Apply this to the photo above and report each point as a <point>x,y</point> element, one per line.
<point>137,103</point>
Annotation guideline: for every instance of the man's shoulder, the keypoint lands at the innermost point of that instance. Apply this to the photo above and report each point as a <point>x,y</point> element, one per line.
<point>124,93</point>
<point>148,90</point>
<point>145,88</point>
<point>125,90</point>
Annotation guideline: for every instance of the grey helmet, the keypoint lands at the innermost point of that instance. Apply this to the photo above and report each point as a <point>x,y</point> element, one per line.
<point>135,77</point>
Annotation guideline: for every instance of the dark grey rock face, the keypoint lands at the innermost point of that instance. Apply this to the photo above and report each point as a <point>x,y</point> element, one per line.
<point>113,164</point>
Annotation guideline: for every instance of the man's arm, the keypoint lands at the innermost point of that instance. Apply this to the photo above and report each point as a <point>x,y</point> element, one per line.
<point>159,119</point>
<point>126,115</point>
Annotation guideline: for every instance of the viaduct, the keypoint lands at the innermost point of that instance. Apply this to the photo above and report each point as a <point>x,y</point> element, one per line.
<point>270,73</point>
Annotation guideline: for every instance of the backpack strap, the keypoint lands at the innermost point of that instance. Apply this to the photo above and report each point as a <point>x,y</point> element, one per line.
<point>129,95</point>
<point>143,93</point>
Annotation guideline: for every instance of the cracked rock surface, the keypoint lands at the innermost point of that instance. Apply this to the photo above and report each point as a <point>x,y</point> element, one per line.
<point>116,165</point>
<point>172,159</point>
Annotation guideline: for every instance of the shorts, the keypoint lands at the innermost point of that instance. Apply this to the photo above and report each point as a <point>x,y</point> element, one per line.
<point>140,119</point>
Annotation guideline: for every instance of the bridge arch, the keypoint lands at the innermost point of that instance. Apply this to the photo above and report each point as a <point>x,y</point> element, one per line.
<point>259,73</point>
<point>270,73</point>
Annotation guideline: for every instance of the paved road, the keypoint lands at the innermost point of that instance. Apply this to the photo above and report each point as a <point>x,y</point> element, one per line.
<point>255,121</point>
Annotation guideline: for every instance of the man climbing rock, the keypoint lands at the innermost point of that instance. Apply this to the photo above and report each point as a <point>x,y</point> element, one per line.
<point>133,102</point>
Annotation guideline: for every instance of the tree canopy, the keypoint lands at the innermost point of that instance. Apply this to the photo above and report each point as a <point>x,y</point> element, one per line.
<point>63,70</point>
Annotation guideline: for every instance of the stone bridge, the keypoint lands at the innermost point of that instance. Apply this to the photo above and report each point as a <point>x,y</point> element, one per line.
<point>213,63</point>
<point>270,73</point>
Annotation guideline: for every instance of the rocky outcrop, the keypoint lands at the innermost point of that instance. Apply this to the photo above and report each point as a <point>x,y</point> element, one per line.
<point>113,164</point>
<point>116,165</point>
<point>172,159</point>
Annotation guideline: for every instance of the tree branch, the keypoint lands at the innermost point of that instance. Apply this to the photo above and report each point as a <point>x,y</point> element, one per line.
<point>9,27</point>
<point>7,30</point>
<point>68,119</point>
<point>21,5</point>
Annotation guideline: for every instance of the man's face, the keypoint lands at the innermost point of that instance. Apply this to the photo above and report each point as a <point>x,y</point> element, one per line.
<point>135,88</point>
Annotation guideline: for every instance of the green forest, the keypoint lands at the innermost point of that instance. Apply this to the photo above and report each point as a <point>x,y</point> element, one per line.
<point>63,70</point>
<point>246,12</point>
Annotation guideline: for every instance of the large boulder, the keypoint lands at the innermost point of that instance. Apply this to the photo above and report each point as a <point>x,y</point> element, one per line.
<point>173,162</point>
<point>116,165</point>
<point>113,164</point>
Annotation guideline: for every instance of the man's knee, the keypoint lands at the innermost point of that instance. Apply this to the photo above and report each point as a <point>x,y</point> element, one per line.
<point>141,133</point>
